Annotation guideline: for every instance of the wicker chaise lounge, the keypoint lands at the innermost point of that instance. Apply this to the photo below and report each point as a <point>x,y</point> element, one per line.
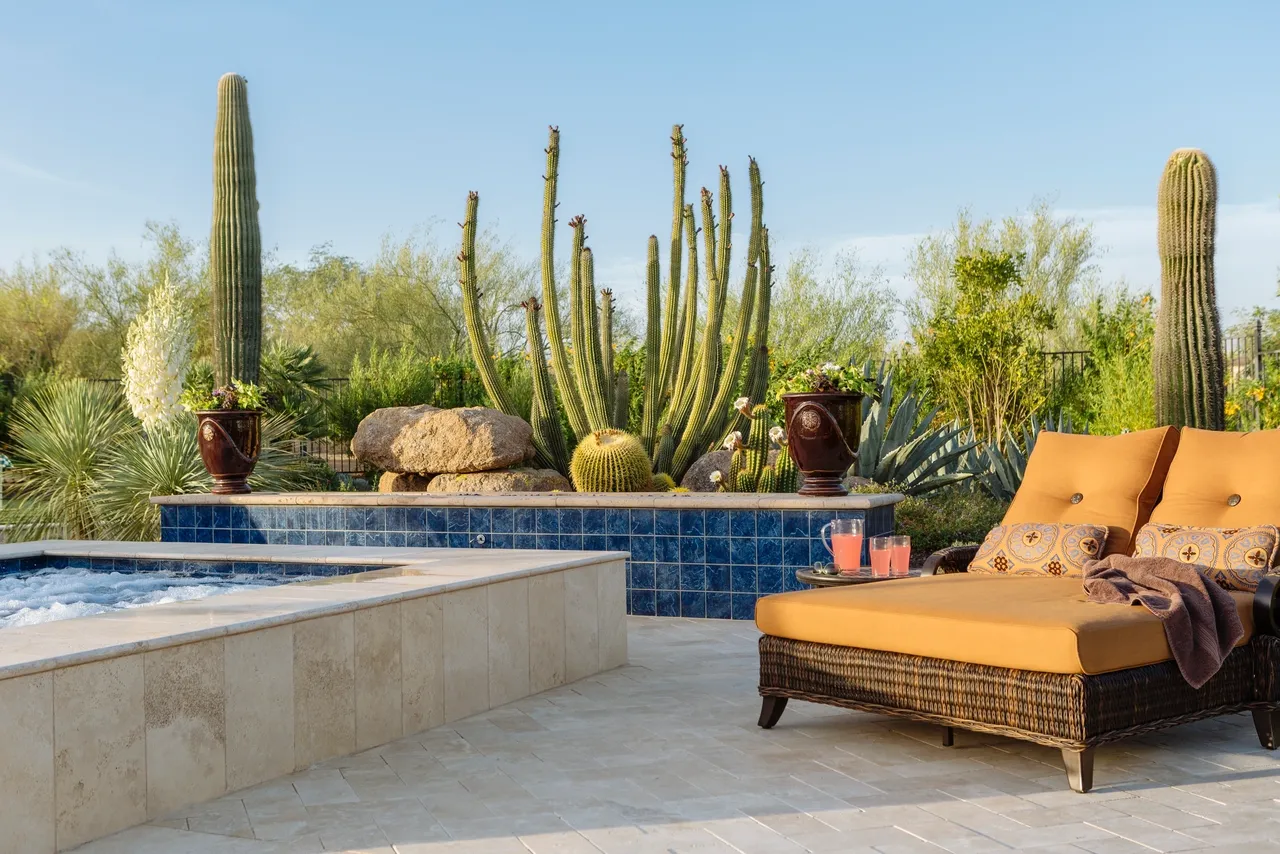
<point>1030,657</point>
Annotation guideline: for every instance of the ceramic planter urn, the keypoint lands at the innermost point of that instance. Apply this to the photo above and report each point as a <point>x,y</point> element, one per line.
<point>229,443</point>
<point>823,431</point>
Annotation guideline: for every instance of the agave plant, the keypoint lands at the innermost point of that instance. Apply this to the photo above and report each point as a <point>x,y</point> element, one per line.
<point>1000,467</point>
<point>900,446</point>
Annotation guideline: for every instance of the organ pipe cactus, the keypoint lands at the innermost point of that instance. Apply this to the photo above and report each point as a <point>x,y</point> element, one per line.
<point>690,375</point>
<point>749,466</point>
<point>235,241</point>
<point>1188,341</point>
<point>610,461</point>
<point>544,417</point>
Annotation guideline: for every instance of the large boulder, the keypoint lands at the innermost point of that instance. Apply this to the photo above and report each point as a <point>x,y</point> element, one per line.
<point>392,481</point>
<point>510,480</point>
<point>426,440</point>
<point>698,477</point>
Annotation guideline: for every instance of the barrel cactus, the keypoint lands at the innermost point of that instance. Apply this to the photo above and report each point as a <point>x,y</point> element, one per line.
<point>610,461</point>
<point>663,482</point>
<point>1188,341</point>
<point>235,242</point>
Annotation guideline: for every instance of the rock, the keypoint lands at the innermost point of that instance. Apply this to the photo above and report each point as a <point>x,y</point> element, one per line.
<point>396,482</point>
<point>507,480</point>
<point>426,440</point>
<point>698,477</point>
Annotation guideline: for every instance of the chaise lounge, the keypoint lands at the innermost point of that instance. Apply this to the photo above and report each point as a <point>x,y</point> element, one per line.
<point>1030,657</point>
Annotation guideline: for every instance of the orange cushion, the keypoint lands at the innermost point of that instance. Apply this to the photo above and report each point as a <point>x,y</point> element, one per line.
<point>1116,478</point>
<point>1022,622</point>
<point>1211,467</point>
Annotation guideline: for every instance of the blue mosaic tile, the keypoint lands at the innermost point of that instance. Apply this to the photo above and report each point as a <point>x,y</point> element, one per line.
<point>526,520</point>
<point>299,538</point>
<point>457,520</point>
<point>668,603</point>
<point>223,535</point>
<point>692,549</point>
<point>667,523</point>
<point>742,523</point>
<point>742,579</point>
<point>644,603</point>
<point>769,579</point>
<point>744,606</point>
<point>642,521</point>
<point>595,543</point>
<point>795,552</point>
<point>397,539</point>
<point>352,519</point>
<point>456,540</point>
<point>667,549</point>
<point>693,603</point>
<point>692,577</point>
<point>437,520</point>
<point>692,523</point>
<point>768,550</point>
<point>571,542</point>
<point>241,537</point>
<point>353,538</point>
<point>504,520</point>
<point>618,542</point>
<point>371,538</point>
<point>642,576</point>
<point>593,521</point>
<point>717,522</point>
<point>222,517</point>
<point>504,541</point>
<point>548,520</point>
<point>547,542</point>
<point>416,539</point>
<point>571,521</point>
<point>717,550</point>
<point>668,576</point>
<point>395,519</point>
<point>186,517</point>
<point>526,541</point>
<point>617,521</point>
<point>642,548</point>
<point>415,519</point>
<point>717,577</point>
<point>438,539</point>
<point>479,520</point>
<point>795,523</point>
<point>719,606</point>
<point>742,551</point>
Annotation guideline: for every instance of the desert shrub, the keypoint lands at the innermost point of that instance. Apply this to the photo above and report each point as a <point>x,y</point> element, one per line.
<point>954,515</point>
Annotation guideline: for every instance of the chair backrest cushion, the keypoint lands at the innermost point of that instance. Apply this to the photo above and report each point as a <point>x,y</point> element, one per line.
<point>1222,480</point>
<point>1100,480</point>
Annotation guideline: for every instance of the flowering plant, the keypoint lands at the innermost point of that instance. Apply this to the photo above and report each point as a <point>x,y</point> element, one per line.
<point>156,353</point>
<point>237,395</point>
<point>831,378</point>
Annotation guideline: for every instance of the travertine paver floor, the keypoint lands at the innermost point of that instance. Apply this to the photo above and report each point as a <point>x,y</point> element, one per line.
<point>664,756</point>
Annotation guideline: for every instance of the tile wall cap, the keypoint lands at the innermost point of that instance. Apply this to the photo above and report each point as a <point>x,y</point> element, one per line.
<point>647,500</point>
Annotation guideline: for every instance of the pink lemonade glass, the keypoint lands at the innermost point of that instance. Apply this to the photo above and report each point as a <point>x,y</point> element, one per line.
<point>881,552</point>
<point>843,538</point>
<point>900,556</point>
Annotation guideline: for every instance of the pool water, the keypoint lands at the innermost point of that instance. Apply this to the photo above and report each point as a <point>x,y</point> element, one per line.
<point>45,595</point>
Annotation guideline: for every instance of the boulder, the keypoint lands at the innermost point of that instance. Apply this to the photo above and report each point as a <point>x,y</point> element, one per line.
<point>508,480</point>
<point>698,477</point>
<point>392,481</point>
<point>426,440</point>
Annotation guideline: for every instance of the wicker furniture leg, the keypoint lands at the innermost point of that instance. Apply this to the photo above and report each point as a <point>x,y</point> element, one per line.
<point>948,736</point>
<point>1267,723</point>
<point>1079,768</point>
<point>771,708</point>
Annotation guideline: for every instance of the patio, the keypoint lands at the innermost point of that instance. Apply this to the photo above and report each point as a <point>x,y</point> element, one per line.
<point>664,755</point>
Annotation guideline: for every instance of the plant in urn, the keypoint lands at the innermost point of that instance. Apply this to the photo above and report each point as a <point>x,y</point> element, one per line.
<point>824,424</point>
<point>228,430</point>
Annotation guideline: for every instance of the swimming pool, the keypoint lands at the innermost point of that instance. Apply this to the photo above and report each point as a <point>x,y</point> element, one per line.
<point>42,590</point>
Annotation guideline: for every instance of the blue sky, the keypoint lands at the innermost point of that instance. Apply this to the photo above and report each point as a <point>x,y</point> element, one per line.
<point>873,122</point>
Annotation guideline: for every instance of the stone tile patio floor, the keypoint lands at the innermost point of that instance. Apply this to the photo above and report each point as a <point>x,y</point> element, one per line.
<point>664,756</point>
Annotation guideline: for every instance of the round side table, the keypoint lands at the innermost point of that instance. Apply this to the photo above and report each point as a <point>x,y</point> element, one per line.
<point>862,576</point>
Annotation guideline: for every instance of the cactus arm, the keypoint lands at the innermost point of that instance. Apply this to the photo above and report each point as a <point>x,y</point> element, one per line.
<point>596,393</point>
<point>768,480</point>
<point>758,442</point>
<point>548,435</point>
<point>671,330</point>
<point>235,241</point>
<point>581,333</point>
<point>681,389</point>
<point>786,471</point>
<point>652,355</point>
<point>550,299</point>
<point>622,401</point>
<point>480,351</point>
<point>756,385</point>
<point>726,237</point>
<point>665,451</point>
<point>606,351</point>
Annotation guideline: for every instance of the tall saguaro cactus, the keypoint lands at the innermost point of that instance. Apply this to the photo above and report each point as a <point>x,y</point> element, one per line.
<point>1188,343</point>
<point>690,375</point>
<point>235,242</point>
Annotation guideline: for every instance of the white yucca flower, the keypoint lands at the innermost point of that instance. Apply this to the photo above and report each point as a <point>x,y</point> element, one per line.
<point>716,477</point>
<point>775,434</point>
<point>732,441</point>
<point>830,366</point>
<point>156,354</point>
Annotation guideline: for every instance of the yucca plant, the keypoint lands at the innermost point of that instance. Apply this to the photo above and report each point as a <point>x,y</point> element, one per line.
<point>900,446</point>
<point>999,467</point>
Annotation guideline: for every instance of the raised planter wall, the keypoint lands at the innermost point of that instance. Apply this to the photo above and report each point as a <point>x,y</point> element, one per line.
<point>691,555</point>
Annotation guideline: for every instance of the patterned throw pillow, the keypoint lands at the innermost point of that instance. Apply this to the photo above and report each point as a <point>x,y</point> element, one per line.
<point>1235,558</point>
<point>1030,548</point>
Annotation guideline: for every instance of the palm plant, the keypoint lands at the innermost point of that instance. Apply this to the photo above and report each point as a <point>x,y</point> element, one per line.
<point>902,447</point>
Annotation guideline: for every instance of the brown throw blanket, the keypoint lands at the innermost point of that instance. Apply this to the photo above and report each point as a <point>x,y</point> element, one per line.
<point>1200,618</point>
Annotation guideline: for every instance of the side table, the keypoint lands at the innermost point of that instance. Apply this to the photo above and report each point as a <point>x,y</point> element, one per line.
<point>862,576</point>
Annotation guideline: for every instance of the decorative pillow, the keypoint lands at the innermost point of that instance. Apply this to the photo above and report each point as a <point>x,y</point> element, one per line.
<point>1033,548</point>
<point>1235,558</point>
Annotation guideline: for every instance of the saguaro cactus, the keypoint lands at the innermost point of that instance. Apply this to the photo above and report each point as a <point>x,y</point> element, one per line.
<point>1188,342</point>
<point>235,242</point>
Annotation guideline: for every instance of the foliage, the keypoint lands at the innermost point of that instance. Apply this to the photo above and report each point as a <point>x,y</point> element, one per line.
<point>749,466</point>
<point>405,379</point>
<point>237,395</point>
<point>843,316</point>
<point>981,353</point>
<point>156,357</point>
<point>1117,389</point>
<point>294,382</point>
<point>1057,268</point>
<point>830,378</point>
<point>1188,342</point>
<point>908,448</point>
<point>953,515</point>
<point>1000,466</point>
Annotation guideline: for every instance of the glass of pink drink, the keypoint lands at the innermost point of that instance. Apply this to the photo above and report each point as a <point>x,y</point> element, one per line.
<point>881,552</point>
<point>900,555</point>
<point>843,538</point>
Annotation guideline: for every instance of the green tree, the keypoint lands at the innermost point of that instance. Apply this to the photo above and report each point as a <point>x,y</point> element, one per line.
<point>1058,265</point>
<point>980,351</point>
<point>1117,389</point>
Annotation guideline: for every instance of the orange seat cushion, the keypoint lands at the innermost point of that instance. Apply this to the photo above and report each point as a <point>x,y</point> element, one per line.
<point>1115,481</point>
<point>1211,468</point>
<point>1021,622</point>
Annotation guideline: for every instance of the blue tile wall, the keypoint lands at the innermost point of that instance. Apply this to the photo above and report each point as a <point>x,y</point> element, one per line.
<point>189,567</point>
<point>690,563</point>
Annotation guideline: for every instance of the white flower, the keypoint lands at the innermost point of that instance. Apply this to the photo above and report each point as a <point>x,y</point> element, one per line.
<point>830,366</point>
<point>716,477</point>
<point>775,434</point>
<point>741,405</point>
<point>156,354</point>
<point>732,441</point>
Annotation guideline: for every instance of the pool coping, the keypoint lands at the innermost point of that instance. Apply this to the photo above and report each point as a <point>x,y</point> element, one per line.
<point>633,500</point>
<point>26,650</point>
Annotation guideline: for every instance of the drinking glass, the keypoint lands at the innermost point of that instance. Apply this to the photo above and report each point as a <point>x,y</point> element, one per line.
<point>900,557</point>
<point>881,551</point>
<point>843,538</point>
